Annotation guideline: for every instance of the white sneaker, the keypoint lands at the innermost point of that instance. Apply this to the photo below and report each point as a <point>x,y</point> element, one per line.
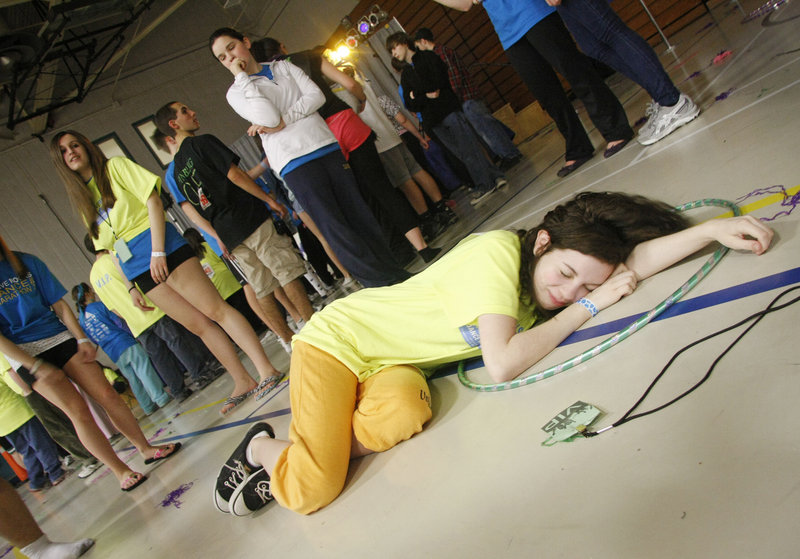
<point>89,469</point>
<point>665,120</point>
<point>287,346</point>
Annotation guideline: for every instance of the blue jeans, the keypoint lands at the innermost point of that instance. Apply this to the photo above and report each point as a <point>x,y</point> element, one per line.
<point>39,452</point>
<point>167,340</point>
<point>143,378</point>
<point>455,131</point>
<point>601,34</point>
<point>496,134</point>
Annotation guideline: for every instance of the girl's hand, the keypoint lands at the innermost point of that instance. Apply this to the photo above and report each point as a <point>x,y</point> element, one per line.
<point>553,2</point>
<point>138,300</point>
<point>742,233</point>
<point>621,283</point>
<point>237,66</point>
<point>87,352</point>
<point>158,268</point>
<point>258,129</point>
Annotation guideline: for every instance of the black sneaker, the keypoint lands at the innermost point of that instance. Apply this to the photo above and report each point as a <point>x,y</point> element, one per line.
<point>236,469</point>
<point>185,393</point>
<point>251,495</point>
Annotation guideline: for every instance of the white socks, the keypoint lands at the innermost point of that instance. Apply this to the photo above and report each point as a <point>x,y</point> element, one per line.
<point>249,452</point>
<point>43,548</point>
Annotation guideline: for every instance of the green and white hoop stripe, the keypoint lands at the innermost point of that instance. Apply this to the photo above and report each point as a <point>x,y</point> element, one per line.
<point>637,325</point>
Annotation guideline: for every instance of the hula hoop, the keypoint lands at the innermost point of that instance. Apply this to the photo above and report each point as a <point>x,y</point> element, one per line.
<point>634,327</point>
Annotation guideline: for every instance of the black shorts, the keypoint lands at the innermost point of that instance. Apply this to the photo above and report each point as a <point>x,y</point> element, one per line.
<point>57,356</point>
<point>174,259</point>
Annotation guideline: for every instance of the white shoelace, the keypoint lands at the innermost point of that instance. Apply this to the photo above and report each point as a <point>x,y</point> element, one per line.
<point>238,474</point>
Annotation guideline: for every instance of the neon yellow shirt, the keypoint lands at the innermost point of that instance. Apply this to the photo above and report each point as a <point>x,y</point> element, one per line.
<point>132,185</point>
<point>430,319</point>
<point>14,410</point>
<point>219,274</point>
<point>109,286</point>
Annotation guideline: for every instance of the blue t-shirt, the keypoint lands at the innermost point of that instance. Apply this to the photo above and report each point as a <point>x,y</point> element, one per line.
<point>513,18</point>
<point>25,313</point>
<point>106,330</point>
<point>177,195</point>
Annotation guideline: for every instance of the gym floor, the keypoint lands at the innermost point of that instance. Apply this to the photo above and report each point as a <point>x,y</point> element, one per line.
<point>713,475</point>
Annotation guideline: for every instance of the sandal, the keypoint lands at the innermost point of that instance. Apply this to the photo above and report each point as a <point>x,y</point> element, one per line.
<point>163,453</point>
<point>234,402</point>
<point>134,480</point>
<point>267,385</point>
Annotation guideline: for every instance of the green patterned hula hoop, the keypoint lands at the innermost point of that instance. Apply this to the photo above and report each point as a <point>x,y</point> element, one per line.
<point>637,325</point>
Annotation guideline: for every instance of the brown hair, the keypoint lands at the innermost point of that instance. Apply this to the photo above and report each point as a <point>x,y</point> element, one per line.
<point>605,225</point>
<point>11,257</point>
<point>78,193</point>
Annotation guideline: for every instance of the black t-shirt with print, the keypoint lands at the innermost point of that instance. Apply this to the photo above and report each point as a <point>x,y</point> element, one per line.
<point>201,173</point>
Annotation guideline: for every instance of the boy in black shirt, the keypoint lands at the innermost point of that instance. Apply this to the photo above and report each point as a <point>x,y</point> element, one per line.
<point>221,199</point>
<point>426,89</point>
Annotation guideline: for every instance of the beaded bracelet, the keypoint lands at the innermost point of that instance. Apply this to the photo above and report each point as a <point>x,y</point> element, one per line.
<point>589,306</point>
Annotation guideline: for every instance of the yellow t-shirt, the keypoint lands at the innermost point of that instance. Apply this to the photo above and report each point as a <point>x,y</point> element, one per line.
<point>14,410</point>
<point>219,274</point>
<point>430,319</point>
<point>132,185</point>
<point>110,288</point>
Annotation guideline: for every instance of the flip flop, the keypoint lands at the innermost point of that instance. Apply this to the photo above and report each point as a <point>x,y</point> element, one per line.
<point>234,402</point>
<point>163,453</point>
<point>133,481</point>
<point>267,385</point>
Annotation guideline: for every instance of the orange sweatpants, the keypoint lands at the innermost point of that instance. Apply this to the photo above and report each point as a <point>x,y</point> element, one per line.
<point>329,405</point>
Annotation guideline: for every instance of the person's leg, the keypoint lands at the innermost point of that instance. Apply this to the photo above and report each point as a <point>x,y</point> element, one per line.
<point>552,40</point>
<point>274,317</point>
<point>601,34</point>
<point>45,449</point>
<point>186,349</point>
<point>164,359</point>
<point>543,82</point>
<point>493,132</point>
<point>296,292</point>
<point>276,256</point>
<point>18,527</point>
<point>126,368</point>
<point>328,191</point>
<point>393,405</point>
<point>143,370</point>
<point>36,476</point>
<point>54,385</point>
<point>312,226</point>
<point>309,472</point>
<point>189,280</point>
<point>90,378</point>
<point>263,282</point>
<point>374,184</point>
<point>413,194</point>
<point>58,425</point>
<point>455,131</point>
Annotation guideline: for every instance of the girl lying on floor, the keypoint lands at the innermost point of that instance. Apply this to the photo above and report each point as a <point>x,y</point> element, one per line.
<point>357,380</point>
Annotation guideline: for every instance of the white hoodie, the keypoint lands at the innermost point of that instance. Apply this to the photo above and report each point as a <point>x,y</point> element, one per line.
<point>290,95</point>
